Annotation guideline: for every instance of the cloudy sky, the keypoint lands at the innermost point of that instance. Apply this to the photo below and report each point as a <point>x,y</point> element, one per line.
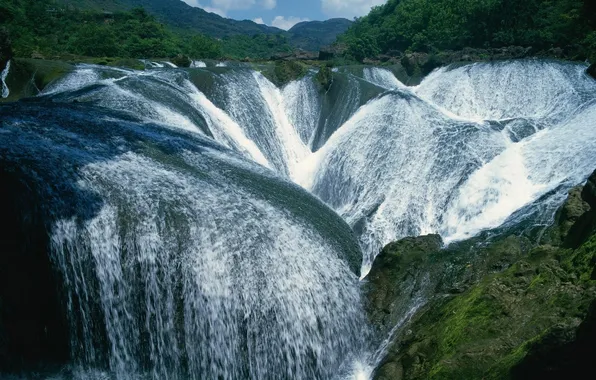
<point>285,13</point>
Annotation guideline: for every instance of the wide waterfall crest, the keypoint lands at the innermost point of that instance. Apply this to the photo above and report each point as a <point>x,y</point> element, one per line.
<point>449,130</point>
<point>461,153</point>
<point>507,90</point>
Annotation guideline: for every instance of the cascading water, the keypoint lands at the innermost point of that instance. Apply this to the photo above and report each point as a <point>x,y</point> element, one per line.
<point>3,76</point>
<point>302,104</point>
<point>197,262</point>
<point>460,153</point>
<point>181,259</point>
<point>382,78</point>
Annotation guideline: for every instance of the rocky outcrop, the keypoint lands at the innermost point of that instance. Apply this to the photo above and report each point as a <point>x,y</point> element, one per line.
<point>28,77</point>
<point>324,77</point>
<point>283,72</point>
<point>296,55</point>
<point>32,326</point>
<point>502,309</point>
<point>181,60</point>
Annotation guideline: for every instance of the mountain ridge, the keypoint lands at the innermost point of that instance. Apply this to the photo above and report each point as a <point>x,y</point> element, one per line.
<point>307,35</point>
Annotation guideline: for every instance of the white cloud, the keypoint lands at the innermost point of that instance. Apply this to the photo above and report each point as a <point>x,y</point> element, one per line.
<point>269,4</point>
<point>349,8</point>
<point>286,23</point>
<point>259,20</point>
<point>221,7</point>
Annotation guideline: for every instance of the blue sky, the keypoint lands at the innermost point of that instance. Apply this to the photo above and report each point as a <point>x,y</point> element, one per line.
<point>285,13</point>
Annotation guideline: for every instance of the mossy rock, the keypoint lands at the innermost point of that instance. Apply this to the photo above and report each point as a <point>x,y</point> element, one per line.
<point>28,77</point>
<point>285,72</point>
<point>181,60</point>
<point>535,319</point>
<point>325,77</point>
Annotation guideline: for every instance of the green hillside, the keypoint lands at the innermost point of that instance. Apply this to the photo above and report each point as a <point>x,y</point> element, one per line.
<point>311,35</point>
<point>436,25</point>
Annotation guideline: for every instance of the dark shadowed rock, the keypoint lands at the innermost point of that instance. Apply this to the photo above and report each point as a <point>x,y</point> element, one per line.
<point>5,48</point>
<point>592,70</point>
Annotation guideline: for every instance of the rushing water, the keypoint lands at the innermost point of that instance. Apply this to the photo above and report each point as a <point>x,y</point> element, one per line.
<point>3,76</point>
<point>200,258</point>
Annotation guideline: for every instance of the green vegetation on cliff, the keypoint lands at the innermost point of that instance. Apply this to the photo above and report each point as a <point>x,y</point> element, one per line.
<point>506,309</point>
<point>436,25</point>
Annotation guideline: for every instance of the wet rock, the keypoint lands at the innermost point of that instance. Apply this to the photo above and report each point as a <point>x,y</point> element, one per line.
<point>181,60</point>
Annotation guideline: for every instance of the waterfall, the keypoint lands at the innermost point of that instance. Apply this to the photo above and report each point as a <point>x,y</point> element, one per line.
<point>198,64</point>
<point>382,78</point>
<point>3,76</point>
<point>182,259</point>
<point>303,106</point>
<point>454,155</point>
<point>459,154</point>
<point>186,252</point>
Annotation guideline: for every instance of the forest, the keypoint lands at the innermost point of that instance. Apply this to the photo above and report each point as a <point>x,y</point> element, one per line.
<point>45,29</point>
<point>436,25</point>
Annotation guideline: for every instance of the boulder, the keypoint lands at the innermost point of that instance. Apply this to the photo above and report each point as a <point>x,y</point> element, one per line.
<point>181,60</point>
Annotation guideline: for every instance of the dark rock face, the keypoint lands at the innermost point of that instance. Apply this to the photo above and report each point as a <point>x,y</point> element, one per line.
<point>32,326</point>
<point>565,352</point>
<point>496,310</point>
<point>592,70</point>
<point>5,48</point>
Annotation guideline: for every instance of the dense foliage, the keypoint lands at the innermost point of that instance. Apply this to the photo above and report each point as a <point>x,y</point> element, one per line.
<point>260,46</point>
<point>42,28</point>
<point>48,29</point>
<point>430,25</point>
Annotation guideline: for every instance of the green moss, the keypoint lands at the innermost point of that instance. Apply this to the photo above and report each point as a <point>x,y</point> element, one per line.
<point>488,330</point>
<point>27,77</point>
<point>325,77</point>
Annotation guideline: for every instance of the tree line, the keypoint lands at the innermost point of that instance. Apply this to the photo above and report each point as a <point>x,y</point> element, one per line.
<point>433,25</point>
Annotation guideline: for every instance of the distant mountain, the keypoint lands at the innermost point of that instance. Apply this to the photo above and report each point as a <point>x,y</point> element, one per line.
<point>309,35</point>
<point>312,35</point>
<point>181,16</point>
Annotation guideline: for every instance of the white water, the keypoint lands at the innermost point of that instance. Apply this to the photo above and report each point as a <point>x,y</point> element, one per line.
<point>405,165</point>
<point>382,78</point>
<point>303,107</point>
<point>198,64</point>
<point>456,155</point>
<point>184,260</point>
<point>459,154</point>
<point>271,272</point>
<point>3,76</point>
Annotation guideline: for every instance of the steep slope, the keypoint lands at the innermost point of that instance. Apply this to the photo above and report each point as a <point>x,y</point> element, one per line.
<point>312,35</point>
